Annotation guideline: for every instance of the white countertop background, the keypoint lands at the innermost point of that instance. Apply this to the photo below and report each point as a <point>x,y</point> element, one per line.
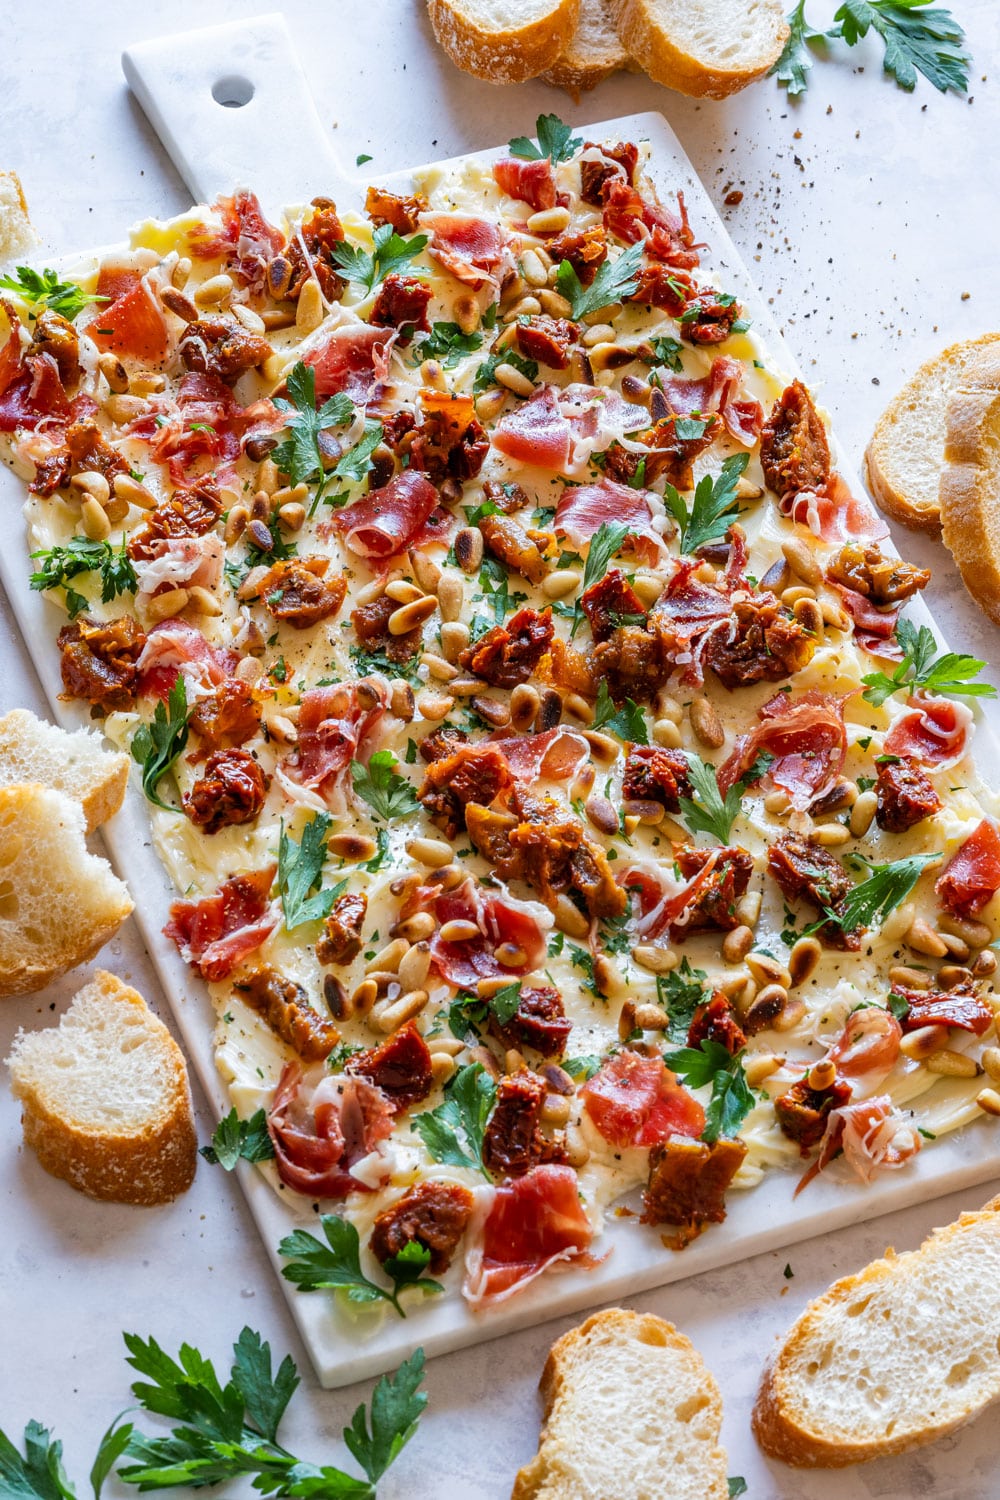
<point>867,216</point>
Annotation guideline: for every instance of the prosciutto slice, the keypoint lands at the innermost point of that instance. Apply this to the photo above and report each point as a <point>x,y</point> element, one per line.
<point>868,1047</point>
<point>583,508</point>
<point>716,392</point>
<point>807,738</point>
<point>529,1225</point>
<point>216,934</point>
<point>334,725</point>
<point>533,182</point>
<point>33,395</point>
<point>873,1135</point>
<point>133,323</point>
<point>971,877</point>
<point>834,515</point>
<point>558,429</point>
<point>936,731</point>
<point>354,359</point>
<point>246,240</point>
<point>500,919</point>
<point>173,647</point>
<point>208,422</point>
<point>469,247</point>
<point>874,629</point>
<point>556,755</point>
<point>388,520</point>
<point>188,560</point>
<point>635,1101</point>
<point>323,1127</point>
<point>664,898</point>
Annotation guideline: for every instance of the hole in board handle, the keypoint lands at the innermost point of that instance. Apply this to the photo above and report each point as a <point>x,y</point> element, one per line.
<point>232,92</point>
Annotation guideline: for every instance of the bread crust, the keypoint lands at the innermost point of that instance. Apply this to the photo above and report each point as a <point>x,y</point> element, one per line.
<point>774,1421</point>
<point>509,56</point>
<point>29,742</point>
<point>667,62</point>
<point>970,482</point>
<point>593,54</point>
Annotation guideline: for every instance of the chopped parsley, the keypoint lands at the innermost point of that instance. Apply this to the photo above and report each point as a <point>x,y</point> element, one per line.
<point>81,555</point>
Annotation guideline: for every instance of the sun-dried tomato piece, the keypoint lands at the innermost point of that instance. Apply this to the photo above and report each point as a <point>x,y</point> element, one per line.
<point>794,452</point>
<point>402,303</point>
<point>708,317</point>
<point>509,654</point>
<point>450,441</point>
<point>227,716</point>
<point>383,207</point>
<point>473,773</point>
<point>514,1142</point>
<point>540,1022</point>
<point>765,643</point>
<point>99,660</point>
<point>191,511</point>
<point>55,335</point>
<point>802,1112</point>
<point>550,341</point>
<point>400,1067</point>
<point>655,775</point>
<point>713,907</point>
<point>508,541</point>
<point>688,1181</point>
<point>433,1214</point>
<point>905,794</point>
<point>286,1009</point>
<point>861,566</point>
<point>295,590</point>
<point>805,871</point>
<point>631,662</point>
<point>594,173</point>
<point>307,255</point>
<point>221,345</point>
<point>230,791</point>
<point>585,250</point>
<point>341,940</point>
<point>716,1022</point>
<point>610,603</point>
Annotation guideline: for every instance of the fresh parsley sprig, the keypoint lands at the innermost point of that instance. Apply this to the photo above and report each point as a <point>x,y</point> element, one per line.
<point>886,887</point>
<point>299,872</point>
<point>732,1099</point>
<point>234,1139</point>
<point>388,794</point>
<point>390,252</point>
<point>157,747</point>
<point>43,289</point>
<point>615,280</point>
<point>608,539</point>
<point>680,993</point>
<point>496,595</point>
<point>555,141</point>
<point>487,372</point>
<point>299,454</point>
<point>336,1266</point>
<point>39,1474</point>
<point>713,508</point>
<point>627,722</point>
<point>453,1133</point>
<point>921,667</point>
<point>918,37</point>
<point>708,811</point>
<point>447,343</point>
<point>81,555</point>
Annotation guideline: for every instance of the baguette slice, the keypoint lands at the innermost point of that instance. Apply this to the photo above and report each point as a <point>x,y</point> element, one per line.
<point>105,1098</point>
<point>593,54</point>
<point>706,48</point>
<point>903,460</point>
<point>59,904</point>
<point>631,1413</point>
<point>75,763</point>
<point>17,236</point>
<point>504,41</point>
<point>969,492</point>
<point>897,1356</point>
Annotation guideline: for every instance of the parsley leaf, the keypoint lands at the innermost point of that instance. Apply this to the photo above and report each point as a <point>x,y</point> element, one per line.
<point>795,61</point>
<point>627,723</point>
<point>615,280</point>
<point>921,667</point>
<point>299,871</point>
<point>731,1099</point>
<point>666,351</point>
<point>81,555</point>
<point>495,584</point>
<point>234,1138</point>
<point>396,1409</point>
<point>714,506</point>
<point>606,541</point>
<point>583,1067</point>
<point>711,812</point>
<point>43,289</point>
<point>39,1475</point>
<point>486,373</point>
<point>555,141</point>
<point>918,38</point>
<point>336,1265</point>
<point>299,454</point>
<point>737,1485</point>
<point>448,343</point>
<point>388,794</point>
<point>158,746</point>
<point>680,993</point>
<point>390,252</point>
<point>886,887</point>
<point>453,1133</point>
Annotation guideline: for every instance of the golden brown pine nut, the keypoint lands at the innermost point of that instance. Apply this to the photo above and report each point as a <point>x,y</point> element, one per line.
<point>737,944</point>
<point>706,723</point>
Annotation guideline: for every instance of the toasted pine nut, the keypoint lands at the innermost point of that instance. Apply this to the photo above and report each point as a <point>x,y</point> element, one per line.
<point>666,732</point>
<point>114,373</point>
<point>952,1064</point>
<point>94,520</point>
<point>181,271</point>
<point>468,549</point>
<point>761,1066</point>
<point>175,301</point>
<point>809,616</point>
<point>354,847</point>
<point>776,802</point>
<point>991,1062</point>
<point>492,985</point>
<point>451,593</point>
<point>578,706</point>
<point>598,333</point>
<point>371,591</point>
<point>602,815</point>
<point>390,1017</point>
<point>364,996</point>
<point>528,307</point>
<point>569,919</point>
<point>555,304</point>
<point>748,908</point>
<point>605,750</point>
<point>534,273</point>
<point>791,1014</point>
<point>577,1150</point>
<point>897,922</point>
<point>133,493</point>
<point>488,404</point>
<point>822,1074</point>
<point>250,670</point>
<point>976,934</point>
<point>923,939</point>
<point>737,944</point>
<point>830,835</point>
<point>492,710</point>
<point>458,930</point>
<point>92,483</point>
<point>435,706</point>
<point>236,523</point>
<point>202,601</point>
<point>802,960</point>
<point>401,700</point>
<point>834,616</point>
<point>451,1046</point>
<point>989,1100</point>
<point>425,570</point>
<point>442,1066</point>
<point>649,588</point>
<point>122,409</point>
<point>403,592</point>
<point>706,723</point>
<point>523,705</point>
<point>437,667</point>
<point>548,221</point>
<point>414,966</point>
<point>651,1018</point>
<point>213,290</point>
<point>466,312</point>
<point>656,960</point>
<point>862,813</point>
<point>416,928</point>
<point>802,561</point>
<point>248,317</point>
<point>956,946</point>
<point>513,379</point>
<point>923,1042</point>
<point>454,639</point>
<point>409,616</point>
<point>432,852</point>
<point>557,585</point>
<point>389,957</point>
<point>510,956</point>
<point>985,964</point>
<point>767,970</point>
<point>309,309</point>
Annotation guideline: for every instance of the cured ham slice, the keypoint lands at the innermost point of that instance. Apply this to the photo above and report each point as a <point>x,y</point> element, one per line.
<point>835,515</point>
<point>668,901</point>
<point>873,1135</point>
<point>388,520</point>
<point>174,647</point>
<point>635,1101</point>
<point>190,561</point>
<point>533,182</point>
<point>469,247</point>
<point>355,360</point>
<point>500,919</point>
<point>34,397</point>
<point>716,392</point>
<point>246,240</point>
<point>323,1127</point>
<point>560,429</point>
<point>334,724</point>
<point>216,934</point>
<point>531,1223</point>
<point>971,877</point>
<point>208,422</point>
<point>807,738</point>
<point>868,1047</point>
<point>961,1007</point>
<point>556,755</point>
<point>583,508</point>
<point>874,629</point>
<point>936,731</point>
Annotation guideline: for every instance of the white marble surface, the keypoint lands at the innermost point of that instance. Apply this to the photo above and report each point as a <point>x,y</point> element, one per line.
<point>868,215</point>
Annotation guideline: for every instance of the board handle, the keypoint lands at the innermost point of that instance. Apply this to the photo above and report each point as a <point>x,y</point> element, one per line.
<point>232,107</point>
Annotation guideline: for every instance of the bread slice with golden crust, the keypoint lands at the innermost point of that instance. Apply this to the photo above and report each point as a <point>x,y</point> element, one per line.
<point>76,763</point>
<point>706,48</point>
<point>504,41</point>
<point>904,457</point>
<point>17,236</point>
<point>897,1356</point>
<point>105,1098</point>
<point>631,1413</point>
<point>594,52</point>
<point>59,904</point>
<point>969,493</point>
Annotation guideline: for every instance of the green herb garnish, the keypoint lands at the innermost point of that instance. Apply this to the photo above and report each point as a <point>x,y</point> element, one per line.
<point>713,509</point>
<point>234,1139</point>
<point>336,1266</point>
<point>390,252</point>
<point>731,1099</point>
<point>80,555</point>
<point>555,141</point>
<point>921,667</point>
<point>156,747</point>
<point>709,811</point>
<point>453,1133</point>
<point>388,794</point>
<point>299,873</point>
<point>615,280</point>
<point>43,289</point>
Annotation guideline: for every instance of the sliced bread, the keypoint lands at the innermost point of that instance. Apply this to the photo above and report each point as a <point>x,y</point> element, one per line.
<point>59,904</point>
<point>105,1098</point>
<point>707,48</point>
<point>17,236</point>
<point>72,762</point>
<point>904,457</point>
<point>594,52</point>
<point>897,1356</point>
<point>504,41</point>
<point>631,1413</point>
<point>969,493</point>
